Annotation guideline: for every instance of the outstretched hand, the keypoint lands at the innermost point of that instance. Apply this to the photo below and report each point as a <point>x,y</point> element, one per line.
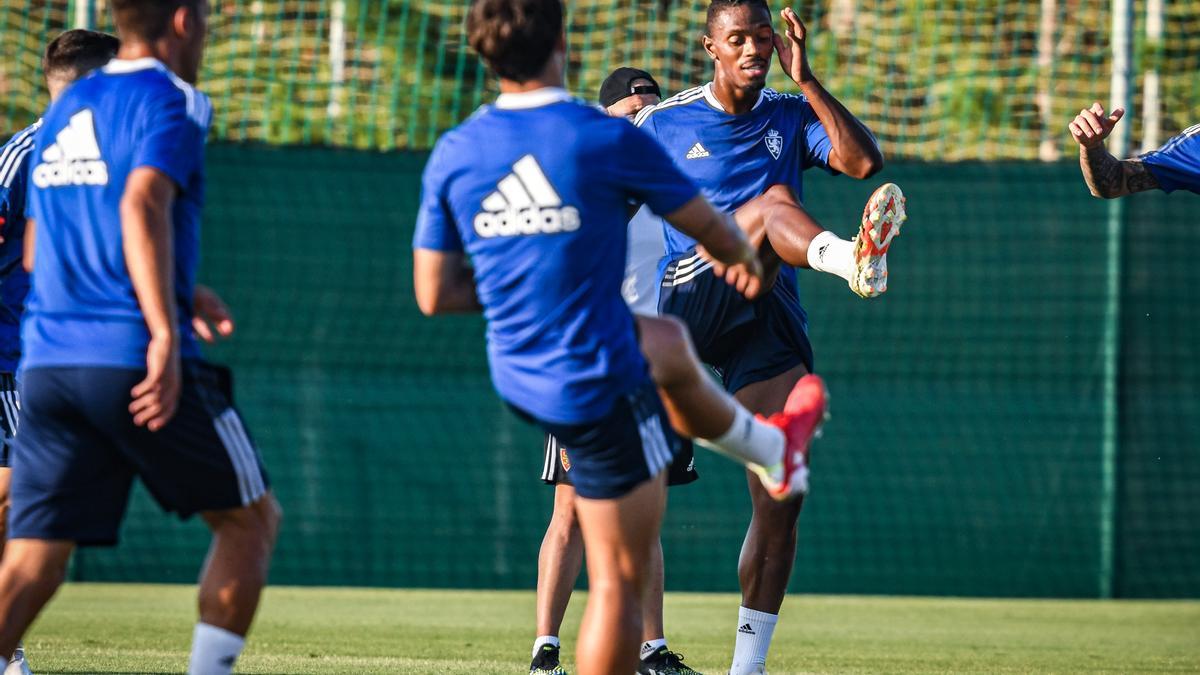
<point>1090,127</point>
<point>210,316</point>
<point>790,46</point>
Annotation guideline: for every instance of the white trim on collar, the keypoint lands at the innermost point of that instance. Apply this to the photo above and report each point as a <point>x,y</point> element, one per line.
<point>712,98</point>
<point>532,99</point>
<point>132,65</point>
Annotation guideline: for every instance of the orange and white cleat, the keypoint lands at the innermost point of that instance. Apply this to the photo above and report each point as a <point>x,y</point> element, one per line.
<point>803,415</point>
<point>881,221</point>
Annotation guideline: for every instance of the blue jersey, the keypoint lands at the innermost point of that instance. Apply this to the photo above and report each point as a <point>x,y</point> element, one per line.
<point>735,158</point>
<point>82,310</point>
<point>535,189</point>
<point>1176,165</point>
<point>14,280</point>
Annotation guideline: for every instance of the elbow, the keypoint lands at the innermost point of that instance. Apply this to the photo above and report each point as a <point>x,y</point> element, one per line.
<point>429,303</point>
<point>870,164</point>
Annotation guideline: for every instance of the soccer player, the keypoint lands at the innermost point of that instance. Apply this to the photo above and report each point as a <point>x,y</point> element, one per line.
<point>542,218</point>
<point>622,94</point>
<point>67,58</point>
<point>1174,166</point>
<point>113,385</point>
<point>737,139</point>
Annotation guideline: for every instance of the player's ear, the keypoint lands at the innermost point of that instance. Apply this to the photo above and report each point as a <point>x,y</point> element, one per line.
<point>183,22</point>
<point>707,43</point>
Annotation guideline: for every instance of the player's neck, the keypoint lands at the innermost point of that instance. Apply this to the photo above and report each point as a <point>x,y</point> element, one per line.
<point>734,100</point>
<point>131,51</point>
<point>513,87</point>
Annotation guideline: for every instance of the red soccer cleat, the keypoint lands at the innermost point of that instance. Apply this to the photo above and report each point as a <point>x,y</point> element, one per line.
<point>805,412</point>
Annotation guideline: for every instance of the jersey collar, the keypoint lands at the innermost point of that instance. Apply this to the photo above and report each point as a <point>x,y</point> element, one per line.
<point>120,66</point>
<point>711,98</point>
<point>532,99</point>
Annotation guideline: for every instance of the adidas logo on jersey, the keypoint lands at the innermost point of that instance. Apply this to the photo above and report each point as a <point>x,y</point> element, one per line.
<point>525,203</point>
<point>74,158</point>
<point>697,152</point>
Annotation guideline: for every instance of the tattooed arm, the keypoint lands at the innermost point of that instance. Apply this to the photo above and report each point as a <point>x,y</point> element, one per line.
<point>1106,176</point>
<point>1109,177</point>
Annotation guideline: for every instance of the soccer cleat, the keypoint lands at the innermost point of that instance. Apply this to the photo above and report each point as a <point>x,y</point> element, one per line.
<point>17,665</point>
<point>881,221</point>
<point>664,662</point>
<point>805,412</point>
<point>545,662</point>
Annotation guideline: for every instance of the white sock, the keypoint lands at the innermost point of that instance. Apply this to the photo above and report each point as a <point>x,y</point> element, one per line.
<point>749,440</point>
<point>544,640</point>
<point>651,646</point>
<point>753,640</point>
<point>828,252</point>
<point>214,650</point>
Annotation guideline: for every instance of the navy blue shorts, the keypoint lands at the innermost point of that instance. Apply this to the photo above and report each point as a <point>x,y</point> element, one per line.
<point>630,445</point>
<point>79,450</point>
<point>10,411</point>
<point>746,342</point>
<point>557,464</point>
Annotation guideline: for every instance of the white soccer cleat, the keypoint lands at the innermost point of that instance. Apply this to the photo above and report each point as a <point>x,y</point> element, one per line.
<point>881,222</point>
<point>17,665</point>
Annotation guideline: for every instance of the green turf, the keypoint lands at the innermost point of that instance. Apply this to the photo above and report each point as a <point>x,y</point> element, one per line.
<point>116,628</point>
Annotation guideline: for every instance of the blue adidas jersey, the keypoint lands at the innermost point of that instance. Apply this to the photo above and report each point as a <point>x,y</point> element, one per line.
<point>14,280</point>
<point>1176,165</point>
<point>82,310</point>
<point>534,189</point>
<point>735,158</point>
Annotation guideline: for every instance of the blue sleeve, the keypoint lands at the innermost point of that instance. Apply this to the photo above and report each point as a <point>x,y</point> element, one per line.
<point>648,175</point>
<point>816,140</point>
<point>1176,165</point>
<point>436,229</point>
<point>13,193</point>
<point>173,140</point>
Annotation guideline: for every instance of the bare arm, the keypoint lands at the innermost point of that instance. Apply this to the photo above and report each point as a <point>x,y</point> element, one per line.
<point>722,242</point>
<point>147,239</point>
<point>1105,175</point>
<point>854,150</point>
<point>30,246</point>
<point>443,282</point>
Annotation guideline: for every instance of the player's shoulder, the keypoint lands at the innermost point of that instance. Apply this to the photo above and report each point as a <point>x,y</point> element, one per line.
<point>671,106</point>
<point>16,153</point>
<point>155,83</point>
<point>775,98</point>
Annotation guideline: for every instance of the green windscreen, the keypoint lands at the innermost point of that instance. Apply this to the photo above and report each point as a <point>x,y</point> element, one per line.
<point>1018,416</point>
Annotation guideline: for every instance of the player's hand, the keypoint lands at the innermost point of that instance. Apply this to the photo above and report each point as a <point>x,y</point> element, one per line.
<point>156,398</point>
<point>746,275</point>
<point>210,316</point>
<point>1090,127</point>
<point>793,56</point>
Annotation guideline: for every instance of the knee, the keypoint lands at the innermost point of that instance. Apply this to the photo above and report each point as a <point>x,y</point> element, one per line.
<point>256,523</point>
<point>667,345</point>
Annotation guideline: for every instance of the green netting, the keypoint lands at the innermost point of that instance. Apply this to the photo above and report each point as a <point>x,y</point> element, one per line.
<point>968,453</point>
<point>937,79</point>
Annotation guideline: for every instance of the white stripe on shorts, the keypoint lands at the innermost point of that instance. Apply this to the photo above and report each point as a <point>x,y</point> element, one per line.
<point>654,441</point>
<point>241,453</point>
<point>551,457</point>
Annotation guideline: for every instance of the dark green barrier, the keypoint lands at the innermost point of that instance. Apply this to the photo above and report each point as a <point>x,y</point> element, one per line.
<point>965,456</point>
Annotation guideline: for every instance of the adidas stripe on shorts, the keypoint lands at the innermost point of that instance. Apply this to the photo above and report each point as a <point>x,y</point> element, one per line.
<point>10,412</point>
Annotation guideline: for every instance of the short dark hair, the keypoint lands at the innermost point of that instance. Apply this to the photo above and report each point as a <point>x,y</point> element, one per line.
<point>77,52</point>
<point>715,7</point>
<point>146,20</point>
<point>515,37</point>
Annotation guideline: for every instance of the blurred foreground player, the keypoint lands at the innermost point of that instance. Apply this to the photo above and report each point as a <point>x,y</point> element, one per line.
<point>68,57</point>
<point>622,94</point>
<point>1174,166</point>
<point>542,218</point>
<point>112,380</point>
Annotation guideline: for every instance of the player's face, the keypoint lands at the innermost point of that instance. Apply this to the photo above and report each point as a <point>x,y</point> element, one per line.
<point>740,43</point>
<point>193,46</point>
<point>631,105</point>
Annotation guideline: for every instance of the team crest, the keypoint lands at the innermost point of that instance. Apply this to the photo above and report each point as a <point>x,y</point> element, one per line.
<point>774,141</point>
<point>566,461</point>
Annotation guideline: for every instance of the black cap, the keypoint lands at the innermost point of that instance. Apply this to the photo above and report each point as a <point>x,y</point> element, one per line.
<point>618,85</point>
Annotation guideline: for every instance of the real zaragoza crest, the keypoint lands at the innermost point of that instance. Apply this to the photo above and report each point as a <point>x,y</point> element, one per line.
<point>774,141</point>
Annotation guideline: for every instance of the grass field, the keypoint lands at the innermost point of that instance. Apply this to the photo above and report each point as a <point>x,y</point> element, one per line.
<point>118,628</point>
